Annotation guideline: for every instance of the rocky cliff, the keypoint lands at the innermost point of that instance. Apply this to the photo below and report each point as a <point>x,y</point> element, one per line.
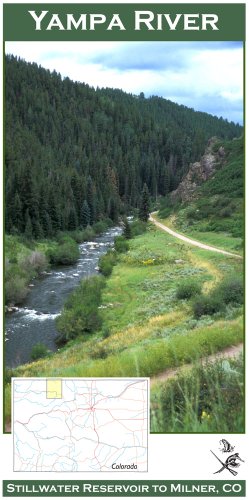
<point>199,172</point>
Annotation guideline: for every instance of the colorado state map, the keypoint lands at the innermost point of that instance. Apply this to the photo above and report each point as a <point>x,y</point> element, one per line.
<point>69,425</point>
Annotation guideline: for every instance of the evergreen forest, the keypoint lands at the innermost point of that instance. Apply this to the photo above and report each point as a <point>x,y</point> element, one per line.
<point>76,155</point>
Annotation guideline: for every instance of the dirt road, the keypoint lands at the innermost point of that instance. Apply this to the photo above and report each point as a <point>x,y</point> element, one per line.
<point>189,240</point>
<point>229,352</point>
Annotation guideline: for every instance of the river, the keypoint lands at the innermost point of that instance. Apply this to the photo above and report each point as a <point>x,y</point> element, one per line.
<point>35,322</point>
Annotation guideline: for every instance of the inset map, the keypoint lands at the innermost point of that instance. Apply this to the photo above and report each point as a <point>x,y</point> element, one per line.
<point>70,425</point>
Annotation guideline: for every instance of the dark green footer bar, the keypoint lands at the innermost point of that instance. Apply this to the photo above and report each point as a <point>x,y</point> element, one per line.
<point>123,488</point>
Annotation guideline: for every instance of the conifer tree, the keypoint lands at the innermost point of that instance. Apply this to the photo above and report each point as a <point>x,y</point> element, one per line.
<point>90,199</point>
<point>17,219</point>
<point>72,219</point>
<point>28,226</point>
<point>47,225</point>
<point>100,207</point>
<point>127,229</point>
<point>144,210</point>
<point>54,212</point>
<point>85,214</point>
<point>113,210</point>
<point>37,229</point>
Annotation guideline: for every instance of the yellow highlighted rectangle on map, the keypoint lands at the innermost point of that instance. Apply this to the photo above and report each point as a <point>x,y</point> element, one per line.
<point>54,389</point>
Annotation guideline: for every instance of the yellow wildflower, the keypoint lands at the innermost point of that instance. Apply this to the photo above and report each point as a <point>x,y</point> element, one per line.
<point>205,415</point>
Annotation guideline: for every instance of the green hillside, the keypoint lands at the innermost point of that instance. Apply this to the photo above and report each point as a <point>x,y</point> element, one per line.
<point>75,155</point>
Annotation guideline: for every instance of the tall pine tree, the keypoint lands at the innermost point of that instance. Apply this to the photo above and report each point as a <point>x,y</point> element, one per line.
<point>85,214</point>
<point>144,210</point>
<point>90,199</point>
<point>126,229</point>
<point>28,226</point>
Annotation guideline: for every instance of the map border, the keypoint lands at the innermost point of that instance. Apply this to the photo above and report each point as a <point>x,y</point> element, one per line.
<point>146,379</point>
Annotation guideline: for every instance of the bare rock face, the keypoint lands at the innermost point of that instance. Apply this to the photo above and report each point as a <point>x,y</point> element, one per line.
<point>221,151</point>
<point>199,172</point>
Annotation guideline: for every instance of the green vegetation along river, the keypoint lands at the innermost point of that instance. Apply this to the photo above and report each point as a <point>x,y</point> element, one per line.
<point>35,322</point>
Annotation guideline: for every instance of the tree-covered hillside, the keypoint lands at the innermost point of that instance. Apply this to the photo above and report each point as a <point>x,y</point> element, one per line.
<point>75,155</point>
<point>214,212</point>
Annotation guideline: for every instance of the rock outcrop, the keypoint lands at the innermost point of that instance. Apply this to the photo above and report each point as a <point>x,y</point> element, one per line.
<point>198,173</point>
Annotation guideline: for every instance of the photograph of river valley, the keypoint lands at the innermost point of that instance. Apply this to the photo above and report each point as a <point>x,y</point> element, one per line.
<point>124,222</point>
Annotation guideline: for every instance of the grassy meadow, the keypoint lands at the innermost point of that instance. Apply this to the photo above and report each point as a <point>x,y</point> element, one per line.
<point>149,324</point>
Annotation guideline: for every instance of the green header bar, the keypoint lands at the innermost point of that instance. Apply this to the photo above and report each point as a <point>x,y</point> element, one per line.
<point>124,22</point>
<point>124,488</point>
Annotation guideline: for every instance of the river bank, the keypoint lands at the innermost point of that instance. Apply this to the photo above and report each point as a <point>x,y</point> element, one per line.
<point>26,259</point>
<point>34,321</point>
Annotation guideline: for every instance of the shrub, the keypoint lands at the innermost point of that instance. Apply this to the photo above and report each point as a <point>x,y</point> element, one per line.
<point>88,234</point>
<point>39,351</point>
<point>191,213</point>
<point>207,305</point>
<point>15,289</point>
<point>77,235</point>
<point>102,226</point>
<point>231,290</point>
<point>121,244</point>
<point>82,235</point>
<point>80,314</point>
<point>36,261</point>
<point>138,227</point>
<point>188,289</point>
<point>109,222</point>
<point>19,270</point>
<point>106,262</point>
<point>226,212</point>
<point>99,352</point>
<point>67,252</point>
<point>106,332</point>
